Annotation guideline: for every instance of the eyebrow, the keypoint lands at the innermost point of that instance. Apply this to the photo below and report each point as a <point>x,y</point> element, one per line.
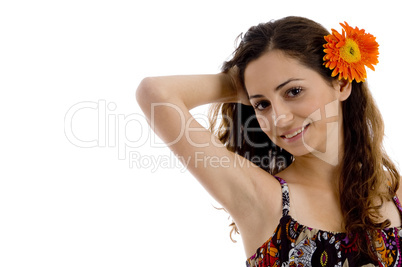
<point>277,88</point>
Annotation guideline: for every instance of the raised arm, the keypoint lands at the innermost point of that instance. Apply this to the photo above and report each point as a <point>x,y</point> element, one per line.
<point>166,102</point>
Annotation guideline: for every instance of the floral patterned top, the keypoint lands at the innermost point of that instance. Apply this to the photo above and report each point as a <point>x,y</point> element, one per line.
<point>293,244</point>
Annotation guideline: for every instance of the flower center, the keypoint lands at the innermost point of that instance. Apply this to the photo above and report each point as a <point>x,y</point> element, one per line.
<point>350,52</point>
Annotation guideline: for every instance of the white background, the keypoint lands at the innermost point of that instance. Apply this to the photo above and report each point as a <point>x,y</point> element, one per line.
<point>64,205</point>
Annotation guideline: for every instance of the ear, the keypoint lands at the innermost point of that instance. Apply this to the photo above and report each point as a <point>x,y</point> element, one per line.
<point>344,88</point>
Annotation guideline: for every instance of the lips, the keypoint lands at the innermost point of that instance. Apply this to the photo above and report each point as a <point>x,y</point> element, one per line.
<point>293,133</point>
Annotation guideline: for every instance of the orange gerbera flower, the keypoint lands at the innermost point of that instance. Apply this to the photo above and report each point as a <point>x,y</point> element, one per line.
<point>348,53</point>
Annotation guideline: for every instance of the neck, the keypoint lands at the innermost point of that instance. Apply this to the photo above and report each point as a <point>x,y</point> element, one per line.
<point>322,169</point>
<point>317,171</point>
<point>311,170</point>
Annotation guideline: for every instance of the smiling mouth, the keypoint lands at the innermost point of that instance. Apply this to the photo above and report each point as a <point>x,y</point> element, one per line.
<point>291,135</point>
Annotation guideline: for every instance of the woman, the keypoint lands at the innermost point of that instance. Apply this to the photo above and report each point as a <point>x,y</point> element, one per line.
<point>297,160</point>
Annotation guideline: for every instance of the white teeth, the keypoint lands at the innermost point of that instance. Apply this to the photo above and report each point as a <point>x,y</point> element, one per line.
<point>295,133</point>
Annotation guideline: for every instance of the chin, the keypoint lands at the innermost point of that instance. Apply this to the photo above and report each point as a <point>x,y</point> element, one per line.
<point>299,152</point>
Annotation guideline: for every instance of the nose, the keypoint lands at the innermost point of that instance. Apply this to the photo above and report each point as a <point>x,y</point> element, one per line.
<point>282,114</point>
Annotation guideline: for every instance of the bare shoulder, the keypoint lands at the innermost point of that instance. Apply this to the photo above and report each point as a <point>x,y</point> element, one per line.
<point>390,178</point>
<point>266,189</point>
<point>399,191</point>
<point>256,197</point>
<point>257,222</point>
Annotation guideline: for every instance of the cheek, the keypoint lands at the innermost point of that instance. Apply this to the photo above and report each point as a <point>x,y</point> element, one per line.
<point>265,124</point>
<point>324,111</point>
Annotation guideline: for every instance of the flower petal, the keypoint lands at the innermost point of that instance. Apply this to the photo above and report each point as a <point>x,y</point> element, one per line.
<point>362,42</point>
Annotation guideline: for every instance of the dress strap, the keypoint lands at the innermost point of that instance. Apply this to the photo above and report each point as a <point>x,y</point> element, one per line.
<point>398,204</point>
<point>285,196</point>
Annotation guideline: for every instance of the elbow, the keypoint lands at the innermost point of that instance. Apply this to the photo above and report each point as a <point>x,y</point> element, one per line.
<point>150,90</point>
<point>145,94</point>
<point>144,91</point>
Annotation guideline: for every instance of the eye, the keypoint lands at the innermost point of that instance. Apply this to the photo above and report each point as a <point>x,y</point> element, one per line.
<point>293,92</point>
<point>261,105</point>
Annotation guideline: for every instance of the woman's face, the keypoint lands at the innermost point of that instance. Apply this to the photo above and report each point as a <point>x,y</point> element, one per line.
<point>295,106</point>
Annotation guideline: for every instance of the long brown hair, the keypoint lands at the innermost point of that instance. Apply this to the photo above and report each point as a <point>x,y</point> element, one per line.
<point>365,166</point>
